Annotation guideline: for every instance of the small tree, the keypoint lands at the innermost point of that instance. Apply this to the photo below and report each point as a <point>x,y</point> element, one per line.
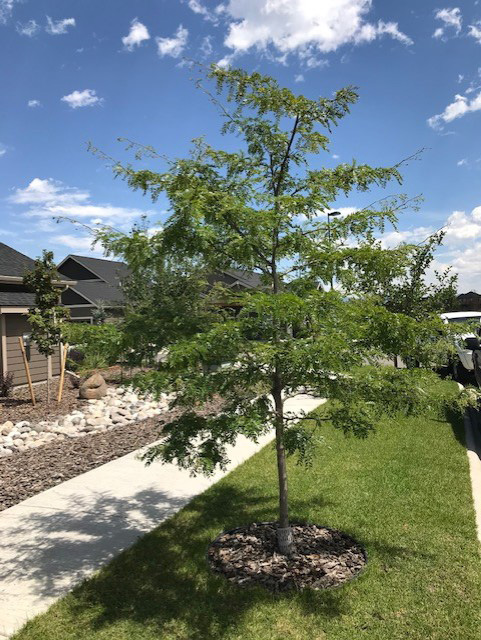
<point>46,316</point>
<point>99,314</point>
<point>263,208</point>
<point>412,293</point>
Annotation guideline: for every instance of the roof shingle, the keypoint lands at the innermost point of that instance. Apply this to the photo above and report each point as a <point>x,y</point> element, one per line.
<point>13,263</point>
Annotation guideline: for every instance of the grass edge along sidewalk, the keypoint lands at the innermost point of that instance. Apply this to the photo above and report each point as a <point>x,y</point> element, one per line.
<point>404,492</point>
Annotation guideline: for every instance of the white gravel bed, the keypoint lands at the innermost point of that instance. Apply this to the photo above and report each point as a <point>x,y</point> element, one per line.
<point>120,406</point>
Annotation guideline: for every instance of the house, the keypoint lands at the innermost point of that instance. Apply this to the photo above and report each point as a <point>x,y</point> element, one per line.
<point>98,284</point>
<point>237,280</point>
<point>468,301</point>
<point>15,301</point>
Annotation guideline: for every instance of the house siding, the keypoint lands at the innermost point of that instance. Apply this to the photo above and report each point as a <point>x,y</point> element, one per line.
<point>16,325</point>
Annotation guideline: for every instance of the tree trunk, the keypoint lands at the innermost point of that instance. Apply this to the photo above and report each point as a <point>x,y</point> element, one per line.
<point>49,378</point>
<point>284,531</point>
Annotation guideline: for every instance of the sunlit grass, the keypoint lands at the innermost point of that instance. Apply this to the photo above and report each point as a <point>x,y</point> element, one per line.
<point>404,493</point>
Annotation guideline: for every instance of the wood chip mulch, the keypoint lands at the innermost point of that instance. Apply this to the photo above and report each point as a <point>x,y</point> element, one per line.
<point>25,474</point>
<point>323,557</point>
<point>19,405</point>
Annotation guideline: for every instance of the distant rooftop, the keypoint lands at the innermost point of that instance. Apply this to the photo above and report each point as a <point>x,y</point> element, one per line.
<point>112,271</point>
<point>14,263</point>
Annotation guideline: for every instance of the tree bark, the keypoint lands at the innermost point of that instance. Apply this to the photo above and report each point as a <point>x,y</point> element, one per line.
<point>284,531</point>
<point>49,378</point>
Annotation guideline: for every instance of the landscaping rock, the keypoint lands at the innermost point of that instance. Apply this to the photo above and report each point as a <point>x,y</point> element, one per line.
<point>114,410</point>
<point>93,388</point>
<point>6,427</point>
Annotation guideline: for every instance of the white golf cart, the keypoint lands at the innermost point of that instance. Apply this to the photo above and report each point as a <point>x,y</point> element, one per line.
<point>468,346</point>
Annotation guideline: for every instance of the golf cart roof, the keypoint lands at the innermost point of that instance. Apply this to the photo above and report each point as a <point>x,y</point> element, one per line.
<point>454,315</point>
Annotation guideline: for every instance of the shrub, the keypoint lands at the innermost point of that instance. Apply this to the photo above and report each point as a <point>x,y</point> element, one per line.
<point>6,384</point>
<point>94,343</point>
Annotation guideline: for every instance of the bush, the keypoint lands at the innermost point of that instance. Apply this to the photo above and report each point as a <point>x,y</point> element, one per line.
<point>94,343</point>
<point>6,384</point>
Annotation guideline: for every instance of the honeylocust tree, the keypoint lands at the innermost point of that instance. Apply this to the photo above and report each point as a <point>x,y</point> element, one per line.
<point>46,316</point>
<point>263,208</point>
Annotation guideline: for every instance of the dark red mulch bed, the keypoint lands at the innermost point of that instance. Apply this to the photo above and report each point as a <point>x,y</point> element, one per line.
<point>323,557</point>
<point>25,474</point>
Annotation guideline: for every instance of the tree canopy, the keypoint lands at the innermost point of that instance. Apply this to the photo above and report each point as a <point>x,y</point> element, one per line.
<point>264,207</point>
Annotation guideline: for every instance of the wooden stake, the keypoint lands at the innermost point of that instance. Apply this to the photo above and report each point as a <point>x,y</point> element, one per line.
<point>27,369</point>
<point>62,371</point>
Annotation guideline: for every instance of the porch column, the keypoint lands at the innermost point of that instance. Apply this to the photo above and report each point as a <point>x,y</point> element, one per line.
<point>3,337</point>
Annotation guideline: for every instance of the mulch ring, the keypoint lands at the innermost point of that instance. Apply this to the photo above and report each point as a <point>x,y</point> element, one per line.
<point>323,557</point>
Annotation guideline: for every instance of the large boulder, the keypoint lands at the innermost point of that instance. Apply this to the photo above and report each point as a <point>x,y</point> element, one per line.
<point>93,388</point>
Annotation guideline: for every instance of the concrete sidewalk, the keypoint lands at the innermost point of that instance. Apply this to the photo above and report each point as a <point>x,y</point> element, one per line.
<point>52,541</point>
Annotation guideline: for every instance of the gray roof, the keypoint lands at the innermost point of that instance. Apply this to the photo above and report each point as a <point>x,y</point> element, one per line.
<point>99,292</point>
<point>16,299</point>
<point>250,279</point>
<point>111,271</point>
<point>13,263</point>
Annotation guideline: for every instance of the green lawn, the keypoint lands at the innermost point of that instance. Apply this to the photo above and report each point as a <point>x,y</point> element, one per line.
<point>404,493</point>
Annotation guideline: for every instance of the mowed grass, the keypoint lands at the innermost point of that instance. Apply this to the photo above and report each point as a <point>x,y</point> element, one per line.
<point>404,493</point>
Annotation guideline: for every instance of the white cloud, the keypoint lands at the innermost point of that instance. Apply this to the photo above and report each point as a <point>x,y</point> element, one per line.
<point>226,61</point>
<point>6,8</point>
<point>197,7</point>
<point>173,46</point>
<point>72,241</point>
<point>206,46</point>
<point>34,103</point>
<point>462,162</point>
<point>475,31</point>
<point>460,78</point>
<point>392,239</point>
<point>29,28</point>
<point>456,109</point>
<point>461,248</point>
<point>58,27</point>
<point>294,26</point>
<point>85,98</point>
<point>451,18</point>
<point>45,199</point>
<point>310,59</point>
<point>335,156</point>
<point>299,78</point>
<point>463,226</point>
<point>47,192</point>
<point>3,150</point>
<point>138,33</point>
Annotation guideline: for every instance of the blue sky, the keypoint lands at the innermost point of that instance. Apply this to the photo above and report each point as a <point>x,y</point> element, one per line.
<point>79,71</point>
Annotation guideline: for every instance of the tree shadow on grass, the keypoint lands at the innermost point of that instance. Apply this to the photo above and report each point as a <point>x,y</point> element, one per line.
<point>456,420</point>
<point>163,581</point>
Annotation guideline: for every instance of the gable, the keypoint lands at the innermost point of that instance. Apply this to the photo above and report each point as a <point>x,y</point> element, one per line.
<point>72,269</point>
<point>72,297</point>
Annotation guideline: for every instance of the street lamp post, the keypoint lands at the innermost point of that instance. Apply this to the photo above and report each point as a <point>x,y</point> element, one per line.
<point>329,215</point>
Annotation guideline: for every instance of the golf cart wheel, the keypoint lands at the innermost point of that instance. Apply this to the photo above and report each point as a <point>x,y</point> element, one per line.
<point>459,372</point>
